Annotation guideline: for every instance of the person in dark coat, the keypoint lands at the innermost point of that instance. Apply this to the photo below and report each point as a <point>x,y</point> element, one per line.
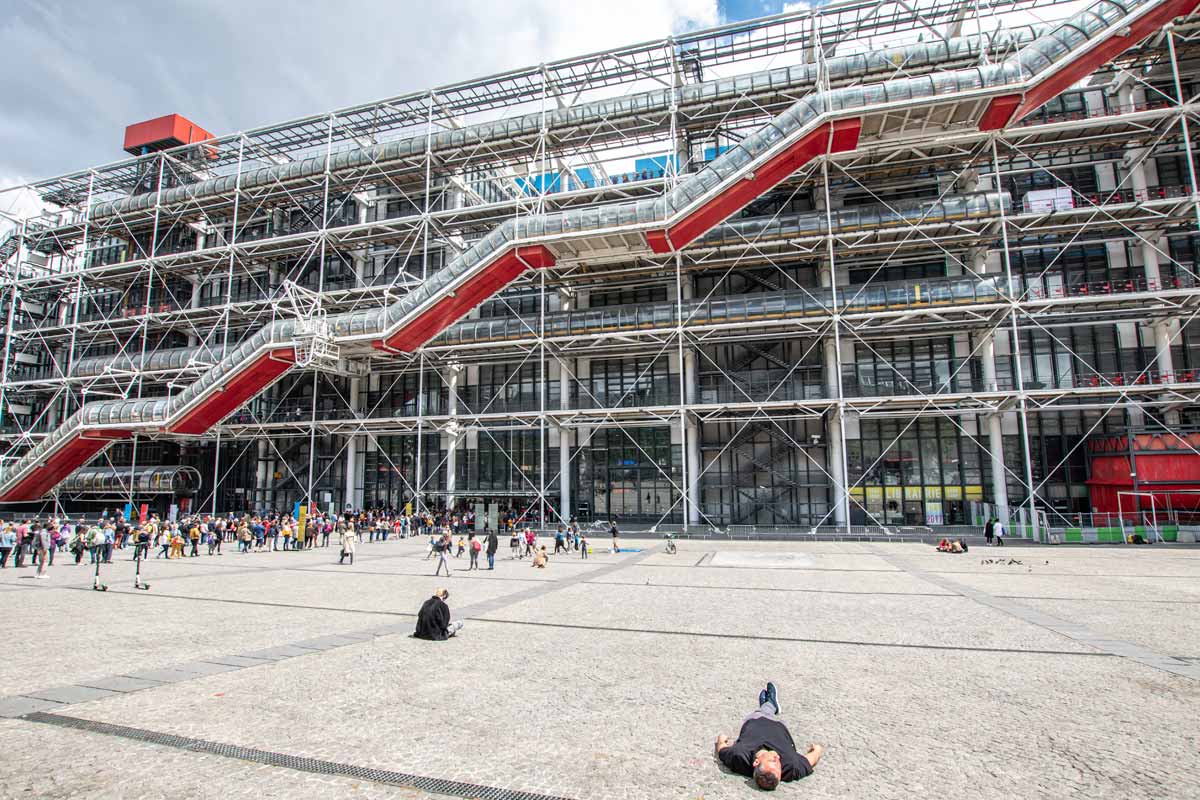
<point>492,544</point>
<point>433,620</point>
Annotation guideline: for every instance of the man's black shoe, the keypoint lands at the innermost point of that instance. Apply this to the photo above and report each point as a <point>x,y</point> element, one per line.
<point>773,695</point>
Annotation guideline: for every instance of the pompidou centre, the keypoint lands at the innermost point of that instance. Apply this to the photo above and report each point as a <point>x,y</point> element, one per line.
<point>866,266</point>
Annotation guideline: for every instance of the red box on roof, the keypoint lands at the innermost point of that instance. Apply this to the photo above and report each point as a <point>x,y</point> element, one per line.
<point>162,133</point>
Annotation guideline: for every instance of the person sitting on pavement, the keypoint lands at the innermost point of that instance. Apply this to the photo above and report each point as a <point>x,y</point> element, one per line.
<point>764,749</point>
<point>540,558</point>
<point>433,620</point>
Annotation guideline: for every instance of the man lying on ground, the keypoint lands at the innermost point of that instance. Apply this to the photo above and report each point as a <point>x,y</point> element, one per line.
<point>764,749</point>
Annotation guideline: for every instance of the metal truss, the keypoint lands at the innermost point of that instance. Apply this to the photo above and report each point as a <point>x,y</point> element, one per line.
<point>304,243</point>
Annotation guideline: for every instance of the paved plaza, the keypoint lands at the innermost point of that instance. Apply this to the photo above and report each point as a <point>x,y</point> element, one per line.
<point>1049,672</point>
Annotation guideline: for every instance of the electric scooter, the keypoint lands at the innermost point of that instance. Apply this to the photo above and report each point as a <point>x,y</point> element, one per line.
<point>138,583</point>
<point>96,584</point>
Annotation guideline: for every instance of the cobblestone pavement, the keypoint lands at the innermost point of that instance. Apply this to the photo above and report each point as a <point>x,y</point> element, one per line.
<point>611,677</point>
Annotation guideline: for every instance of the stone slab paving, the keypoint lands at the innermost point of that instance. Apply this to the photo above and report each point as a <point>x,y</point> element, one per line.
<point>71,694</point>
<point>610,677</point>
<point>943,621</point>
<point>17,706</point>
<point>634,715</point>
<point>1098,638</point>
<point>122,683</point>
<point>1173,629</point>
<point>78,768</point>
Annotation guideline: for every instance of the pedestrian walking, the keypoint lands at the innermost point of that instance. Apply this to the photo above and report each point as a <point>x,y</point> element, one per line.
<point>95,544</point>
<point>443,546</point>
<point>998,533</point>
<point>8,540</point>
<point>41,544</point>
<point>474,546</point>
<point>349,540</point>
<point>989,530</point>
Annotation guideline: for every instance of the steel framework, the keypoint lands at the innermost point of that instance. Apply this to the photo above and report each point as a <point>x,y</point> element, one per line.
<point>867,264</point>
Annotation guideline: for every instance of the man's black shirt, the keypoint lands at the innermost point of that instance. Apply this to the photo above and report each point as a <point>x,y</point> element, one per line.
<point>762,733</point>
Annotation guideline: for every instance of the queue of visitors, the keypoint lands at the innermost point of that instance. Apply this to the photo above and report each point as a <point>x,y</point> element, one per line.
<point>38,540</point>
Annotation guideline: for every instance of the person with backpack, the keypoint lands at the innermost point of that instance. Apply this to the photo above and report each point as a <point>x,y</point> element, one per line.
<point>96,544</point>
<point>474,546</point>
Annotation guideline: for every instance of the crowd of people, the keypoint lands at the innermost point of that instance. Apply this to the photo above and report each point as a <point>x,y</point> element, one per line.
<point>36,541</point>
<point>521,543</point>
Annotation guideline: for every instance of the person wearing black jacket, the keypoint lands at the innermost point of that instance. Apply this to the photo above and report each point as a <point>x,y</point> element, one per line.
<point>764,749</point>
<point>433,620</point>
<point>492,544</point>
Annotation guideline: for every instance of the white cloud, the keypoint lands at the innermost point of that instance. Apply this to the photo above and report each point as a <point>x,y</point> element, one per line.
<point>87,70</point>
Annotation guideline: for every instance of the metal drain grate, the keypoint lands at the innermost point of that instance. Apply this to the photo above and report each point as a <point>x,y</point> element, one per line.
<point>299,763</point>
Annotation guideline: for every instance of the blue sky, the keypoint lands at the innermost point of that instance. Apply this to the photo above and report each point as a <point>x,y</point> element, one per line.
<point>737,10</point>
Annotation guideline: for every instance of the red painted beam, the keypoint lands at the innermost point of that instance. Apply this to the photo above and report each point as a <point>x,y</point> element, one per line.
<point>241,387</point>
<point>1076,69</point>
<point>999,112</point>
<point>453,306</point>
<point>69,456</point>
<point>836,137</point>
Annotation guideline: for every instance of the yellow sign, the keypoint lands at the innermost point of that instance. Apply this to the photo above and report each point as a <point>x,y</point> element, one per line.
<point>408,509</point>
<point>300,523</point>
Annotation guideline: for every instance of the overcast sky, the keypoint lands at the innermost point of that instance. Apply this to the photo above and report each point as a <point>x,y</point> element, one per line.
<point>81,70</point>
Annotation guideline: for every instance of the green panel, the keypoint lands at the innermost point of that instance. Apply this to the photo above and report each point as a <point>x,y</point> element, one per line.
<point>1073,535</point>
